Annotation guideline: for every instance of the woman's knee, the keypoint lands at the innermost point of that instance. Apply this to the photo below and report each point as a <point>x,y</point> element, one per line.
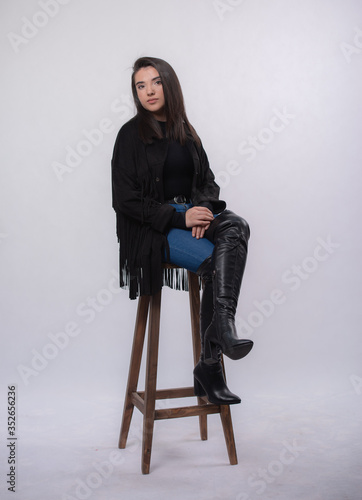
<point>229,221</point>
<point>244,228</point>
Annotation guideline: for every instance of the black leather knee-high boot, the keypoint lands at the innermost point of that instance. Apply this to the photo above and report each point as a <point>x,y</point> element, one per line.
<point>209,378</point>
<point>230,234</point>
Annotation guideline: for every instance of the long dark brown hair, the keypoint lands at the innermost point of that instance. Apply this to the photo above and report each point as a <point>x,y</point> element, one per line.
<point>178,127</point>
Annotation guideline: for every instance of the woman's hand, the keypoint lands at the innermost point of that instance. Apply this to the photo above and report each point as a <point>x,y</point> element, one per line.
<point>199,231</point>
<point>199,219</point>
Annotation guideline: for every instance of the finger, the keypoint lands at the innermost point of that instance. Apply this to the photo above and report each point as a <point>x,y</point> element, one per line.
<point>194,231</point>
<point>205,213</point>
<point>204,219</point>
<point>204,209</point>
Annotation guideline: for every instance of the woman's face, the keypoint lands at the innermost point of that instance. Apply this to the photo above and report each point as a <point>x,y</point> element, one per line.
<point>150,92</point>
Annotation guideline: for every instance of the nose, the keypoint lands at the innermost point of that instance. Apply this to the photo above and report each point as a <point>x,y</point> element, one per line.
<point>150,90</point>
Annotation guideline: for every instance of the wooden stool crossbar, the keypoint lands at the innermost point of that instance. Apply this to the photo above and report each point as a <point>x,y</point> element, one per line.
<point>145,401</point>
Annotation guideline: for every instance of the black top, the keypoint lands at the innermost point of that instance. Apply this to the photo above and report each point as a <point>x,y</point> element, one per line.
<point>178,172</point>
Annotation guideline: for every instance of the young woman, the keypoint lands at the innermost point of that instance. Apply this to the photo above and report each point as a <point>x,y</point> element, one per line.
<point>168,210</point>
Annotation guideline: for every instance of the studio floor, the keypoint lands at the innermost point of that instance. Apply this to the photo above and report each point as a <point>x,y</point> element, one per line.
<point>289,448</point>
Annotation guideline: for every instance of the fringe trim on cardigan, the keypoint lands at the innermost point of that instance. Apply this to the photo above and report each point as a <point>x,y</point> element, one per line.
<point>177,278</point>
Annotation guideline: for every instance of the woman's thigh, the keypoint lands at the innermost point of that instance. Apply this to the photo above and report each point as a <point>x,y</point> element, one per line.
<point>186,251</point>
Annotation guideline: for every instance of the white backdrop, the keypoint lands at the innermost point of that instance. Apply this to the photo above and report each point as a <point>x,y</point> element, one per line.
<point>274,90</point>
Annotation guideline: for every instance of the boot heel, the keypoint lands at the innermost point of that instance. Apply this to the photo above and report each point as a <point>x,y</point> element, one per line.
<point>198,389</point>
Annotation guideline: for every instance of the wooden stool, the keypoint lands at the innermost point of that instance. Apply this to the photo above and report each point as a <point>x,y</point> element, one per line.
<point>145,400</point>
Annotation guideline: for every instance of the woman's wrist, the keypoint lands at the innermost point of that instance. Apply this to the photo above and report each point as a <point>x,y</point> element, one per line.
<point>178,220</point>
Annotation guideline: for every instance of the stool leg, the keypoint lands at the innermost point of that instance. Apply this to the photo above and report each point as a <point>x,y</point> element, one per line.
<point>134,367</point>
<point>227,425</point>
<point>194,296</point>
<point>151,379</point>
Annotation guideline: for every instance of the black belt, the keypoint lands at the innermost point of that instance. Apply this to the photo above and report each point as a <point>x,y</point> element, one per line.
<point>179,200</point>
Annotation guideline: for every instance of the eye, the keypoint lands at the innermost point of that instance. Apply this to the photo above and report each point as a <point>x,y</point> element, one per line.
<point>140,87</point>
<point>158,82</point>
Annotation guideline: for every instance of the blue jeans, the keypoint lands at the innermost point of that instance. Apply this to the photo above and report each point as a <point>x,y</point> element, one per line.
<point>185,250</point>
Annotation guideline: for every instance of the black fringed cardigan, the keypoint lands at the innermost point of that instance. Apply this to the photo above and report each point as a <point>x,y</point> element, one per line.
<point>143,218</point>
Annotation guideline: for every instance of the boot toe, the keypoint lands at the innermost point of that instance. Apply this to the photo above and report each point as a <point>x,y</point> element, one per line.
<point>239,350</point>
<point>229,399</point>
<point>209,381</point>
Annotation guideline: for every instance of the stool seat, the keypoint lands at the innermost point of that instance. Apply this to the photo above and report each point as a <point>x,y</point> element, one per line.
<point>149,309</point>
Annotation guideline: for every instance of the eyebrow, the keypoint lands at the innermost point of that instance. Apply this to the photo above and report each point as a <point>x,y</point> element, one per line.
<point>156,78</point>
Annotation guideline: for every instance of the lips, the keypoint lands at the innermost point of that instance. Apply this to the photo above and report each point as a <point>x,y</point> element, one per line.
<point>152,101</point>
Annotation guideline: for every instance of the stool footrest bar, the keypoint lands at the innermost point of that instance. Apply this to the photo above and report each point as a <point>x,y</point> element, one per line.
<point>187,411</point>
<point>181,392</point>
<point>182,411</point>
